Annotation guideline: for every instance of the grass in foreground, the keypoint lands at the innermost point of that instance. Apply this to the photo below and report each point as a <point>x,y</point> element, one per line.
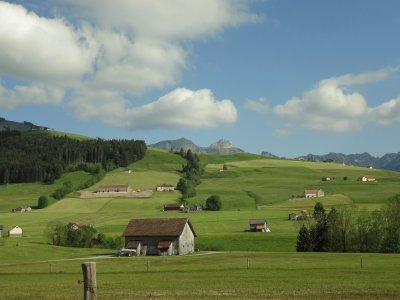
<point>213,276</point>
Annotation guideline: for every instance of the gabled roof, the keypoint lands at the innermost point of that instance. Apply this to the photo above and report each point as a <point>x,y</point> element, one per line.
<point>311,191</point>
<point>113,186</point>
<point>172,227</point>
<point>257,222</point>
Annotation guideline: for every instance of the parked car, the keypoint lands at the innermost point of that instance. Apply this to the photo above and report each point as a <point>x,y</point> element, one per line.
<point>126,252</point>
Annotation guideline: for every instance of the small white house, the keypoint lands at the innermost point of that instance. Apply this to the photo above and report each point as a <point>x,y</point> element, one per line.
<point>16,231</point>
<point>366,178</point>
<point>314,193</point>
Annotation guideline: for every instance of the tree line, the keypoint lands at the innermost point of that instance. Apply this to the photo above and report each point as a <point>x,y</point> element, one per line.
<point>25,158</point>
<point>191,174</point>
<point>346,229</point>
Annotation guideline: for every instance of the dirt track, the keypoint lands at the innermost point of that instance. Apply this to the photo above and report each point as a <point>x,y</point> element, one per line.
<point>130,194</point>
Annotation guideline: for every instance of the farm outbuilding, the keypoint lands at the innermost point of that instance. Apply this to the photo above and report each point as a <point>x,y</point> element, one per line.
<point>314,193</point>
<point>258,225</point>
<point>165,187</point>
<point>174,206</point>
<point>366,178</point>
<point>174,236</point>
<point>112,188</point>
<point>15,231</point>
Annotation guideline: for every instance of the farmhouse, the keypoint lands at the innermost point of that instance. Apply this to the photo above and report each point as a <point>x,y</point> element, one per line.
<point>173,206</point>
<point>163,237</point>
<point>258,225</point>
<point>15,231</point>
<point>22,209</point>
<point>165,188</point>
<point>366,178</point>
<point>314,193</point>
<point>112,188</point>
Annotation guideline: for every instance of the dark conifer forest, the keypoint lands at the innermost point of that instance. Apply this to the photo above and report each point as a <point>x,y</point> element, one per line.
<point>25,158</point>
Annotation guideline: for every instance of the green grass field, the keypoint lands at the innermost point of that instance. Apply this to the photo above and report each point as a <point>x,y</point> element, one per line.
<point>276,270</point>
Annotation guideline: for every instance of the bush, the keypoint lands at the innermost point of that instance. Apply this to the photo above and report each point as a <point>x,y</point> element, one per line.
<point>213,203</point>
<point>43,202</point>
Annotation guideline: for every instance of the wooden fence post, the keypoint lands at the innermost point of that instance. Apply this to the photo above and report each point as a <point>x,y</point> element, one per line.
<point>89,281</point>
<point>248,263</point>
<point>361,263</point>
<point>51,268</point>
<point>148,266</point>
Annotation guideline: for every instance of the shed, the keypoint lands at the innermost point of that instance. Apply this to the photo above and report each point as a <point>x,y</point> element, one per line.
<point>366,178</point>
<point>259,225</point>
<point>112,188</point>
<point>314,193</point>
<point>173,206</point>
<point>165,187</point>
<point>15,231</point>
<point>173,236</point>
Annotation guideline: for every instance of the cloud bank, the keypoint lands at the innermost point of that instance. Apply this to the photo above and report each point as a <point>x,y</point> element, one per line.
<point>101,57</point>
<point>331,106</point>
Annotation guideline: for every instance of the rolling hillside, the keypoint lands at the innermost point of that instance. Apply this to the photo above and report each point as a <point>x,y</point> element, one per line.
<point>252,187</point>
<point>249,182</point>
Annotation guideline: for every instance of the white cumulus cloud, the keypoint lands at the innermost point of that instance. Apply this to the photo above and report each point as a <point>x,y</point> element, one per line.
<point>330,106</point>
<point>101,56</point>
<point>36,48</point>
<point>181,108</point>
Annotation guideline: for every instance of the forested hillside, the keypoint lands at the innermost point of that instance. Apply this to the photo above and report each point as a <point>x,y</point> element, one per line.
<point>45,158</point>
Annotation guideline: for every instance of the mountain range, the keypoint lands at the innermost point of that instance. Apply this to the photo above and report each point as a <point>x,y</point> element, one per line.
<point>390,161</point>
<point>222,146</point>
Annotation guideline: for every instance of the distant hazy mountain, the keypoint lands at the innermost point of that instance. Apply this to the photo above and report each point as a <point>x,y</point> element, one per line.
<point>220,147</point>
<point>389,161</point>
<point>268,154</point>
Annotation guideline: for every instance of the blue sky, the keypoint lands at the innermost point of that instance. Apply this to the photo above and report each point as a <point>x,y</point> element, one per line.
<point>288,77</point>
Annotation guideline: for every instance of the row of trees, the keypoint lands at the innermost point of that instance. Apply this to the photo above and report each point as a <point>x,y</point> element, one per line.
<point>346,229</point>
<point>83,236</point>
<point>25,158</point>
<point>191,174</point>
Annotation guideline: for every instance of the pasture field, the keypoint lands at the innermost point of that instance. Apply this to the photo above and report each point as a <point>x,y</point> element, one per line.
<point>208,275</point>
<point>253,187</point>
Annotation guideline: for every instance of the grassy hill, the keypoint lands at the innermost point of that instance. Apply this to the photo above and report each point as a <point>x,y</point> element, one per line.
<point>55,133</point>
<point>251,181</point>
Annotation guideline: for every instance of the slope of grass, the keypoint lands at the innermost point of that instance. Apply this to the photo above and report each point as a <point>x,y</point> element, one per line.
<point>27,194</point>
<point>275,269</point>
<point>56,133</point>
<point>213,276</point>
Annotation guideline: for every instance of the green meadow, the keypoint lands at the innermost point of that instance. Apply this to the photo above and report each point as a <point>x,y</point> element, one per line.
<point>231,263</point>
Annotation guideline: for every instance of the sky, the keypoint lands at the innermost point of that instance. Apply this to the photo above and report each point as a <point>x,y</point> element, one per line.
<point>283,76</point>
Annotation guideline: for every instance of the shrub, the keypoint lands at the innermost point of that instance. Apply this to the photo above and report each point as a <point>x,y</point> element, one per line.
<point>43,201</point>
<point>213,203</point>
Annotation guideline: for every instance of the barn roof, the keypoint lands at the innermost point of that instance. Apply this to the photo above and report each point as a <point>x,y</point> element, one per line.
<point>113,186</point>
<point>157,227</point>
<point>257,222</point>
<point>311,191</point>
